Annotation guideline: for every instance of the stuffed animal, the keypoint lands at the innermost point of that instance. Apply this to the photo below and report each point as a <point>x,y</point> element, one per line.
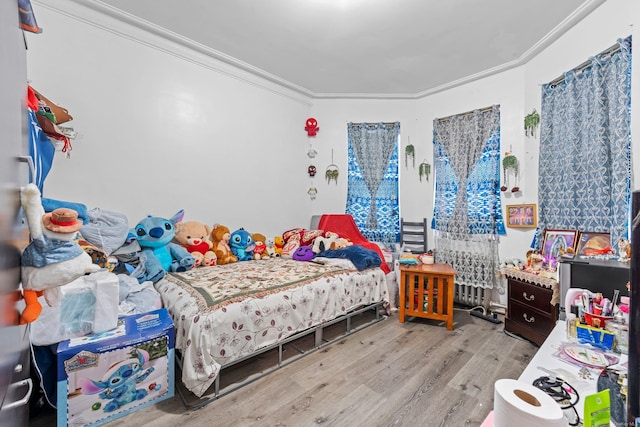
<point>118,384</point>
<point>340,243</point>
<point>242,244</point>
<point>53,258</point>
<point>260,251</point>
<point>159,254</point>
<point>321,244</point>
<point>271,248</point>
<point>194,237</point>
<point>278,244</point>
<point>303,253</point>
<point>220,236</point>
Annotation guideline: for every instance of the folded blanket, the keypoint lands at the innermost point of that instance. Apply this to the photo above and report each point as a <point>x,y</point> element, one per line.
<point>361,257</point>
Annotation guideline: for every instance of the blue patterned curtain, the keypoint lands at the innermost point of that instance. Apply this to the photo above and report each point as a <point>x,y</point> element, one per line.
<point>467,214</point>
<point>372,195</point>
<point>584,179</point>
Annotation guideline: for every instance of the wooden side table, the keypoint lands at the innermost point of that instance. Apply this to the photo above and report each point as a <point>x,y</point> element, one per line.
<point>426,290</point>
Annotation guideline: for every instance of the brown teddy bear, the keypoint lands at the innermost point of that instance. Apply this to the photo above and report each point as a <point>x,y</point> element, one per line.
<point>194,237</point>
<point>220,236</point>
<point>260,251</point>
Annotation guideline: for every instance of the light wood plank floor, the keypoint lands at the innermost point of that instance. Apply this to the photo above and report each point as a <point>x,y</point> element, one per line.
<point>389,374</point>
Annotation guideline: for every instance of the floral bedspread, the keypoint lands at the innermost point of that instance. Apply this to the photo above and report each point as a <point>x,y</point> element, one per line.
<point>224,313</point>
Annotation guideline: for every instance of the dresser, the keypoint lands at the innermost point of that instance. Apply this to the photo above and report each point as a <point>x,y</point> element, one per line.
<point>532,309</point>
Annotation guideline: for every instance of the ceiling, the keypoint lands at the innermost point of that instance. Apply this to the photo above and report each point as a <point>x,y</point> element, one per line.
<point>361,48</point>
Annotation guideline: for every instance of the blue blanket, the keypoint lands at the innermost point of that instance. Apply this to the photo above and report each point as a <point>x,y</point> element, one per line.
<point>361,257</point>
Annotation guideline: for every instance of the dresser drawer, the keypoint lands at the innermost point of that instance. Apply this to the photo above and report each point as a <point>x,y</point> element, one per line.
<point>530,317</point>
<point>532,295</point>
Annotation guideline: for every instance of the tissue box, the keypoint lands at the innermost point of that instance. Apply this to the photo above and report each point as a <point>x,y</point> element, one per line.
<point>87,305</point>
<point>105,376</point>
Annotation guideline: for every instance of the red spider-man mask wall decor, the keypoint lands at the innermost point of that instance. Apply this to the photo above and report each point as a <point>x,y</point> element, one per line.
<point>312,126</point>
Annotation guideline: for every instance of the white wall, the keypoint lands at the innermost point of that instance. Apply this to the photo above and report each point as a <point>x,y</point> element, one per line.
<point>163,130</point>
<point>235,150</point>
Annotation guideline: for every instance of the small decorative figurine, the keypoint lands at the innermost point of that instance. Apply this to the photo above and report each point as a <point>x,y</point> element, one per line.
<point>312,126</point>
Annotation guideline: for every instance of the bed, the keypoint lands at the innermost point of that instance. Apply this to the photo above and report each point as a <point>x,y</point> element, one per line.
<point>225,314</point>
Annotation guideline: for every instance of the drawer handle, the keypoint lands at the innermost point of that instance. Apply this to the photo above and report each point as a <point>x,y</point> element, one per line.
<point>527,297</point>
<point>529,319</point>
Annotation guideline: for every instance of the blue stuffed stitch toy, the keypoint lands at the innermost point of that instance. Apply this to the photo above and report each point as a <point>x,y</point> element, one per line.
<point>242,244</point>
<point>159,254</point>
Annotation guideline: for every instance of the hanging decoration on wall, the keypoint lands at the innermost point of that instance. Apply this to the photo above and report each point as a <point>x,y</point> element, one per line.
<point>312,126</point>
<point>409,151</point>
<point>531,123</point>
<point>332,171</point>
<point>311,170</point>
<point>312,191</point>
<point>312,152</point>
<point>510,165</point>
<point>424,169</point>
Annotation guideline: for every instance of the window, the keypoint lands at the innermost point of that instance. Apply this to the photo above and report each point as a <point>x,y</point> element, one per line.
<point>372,194</point>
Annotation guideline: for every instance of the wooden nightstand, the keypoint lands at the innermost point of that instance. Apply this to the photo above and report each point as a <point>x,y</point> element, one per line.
<point>426,290</point>
<point>531,311</point>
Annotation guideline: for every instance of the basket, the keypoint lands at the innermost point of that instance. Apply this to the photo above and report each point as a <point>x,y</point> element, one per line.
<point>596,320</point>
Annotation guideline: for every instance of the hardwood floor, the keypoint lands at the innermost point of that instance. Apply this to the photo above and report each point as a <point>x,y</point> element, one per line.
<point>389,374</point>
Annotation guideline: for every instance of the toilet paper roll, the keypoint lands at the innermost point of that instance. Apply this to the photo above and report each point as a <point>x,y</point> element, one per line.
<point>517,403</point>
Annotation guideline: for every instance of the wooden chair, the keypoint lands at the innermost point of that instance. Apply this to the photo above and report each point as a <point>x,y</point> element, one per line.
<point>413,235</point>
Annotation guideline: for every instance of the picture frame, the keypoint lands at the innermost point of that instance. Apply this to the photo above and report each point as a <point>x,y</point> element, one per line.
<point>593,243</point>
<point>555,243</point>
<point>522,216</point>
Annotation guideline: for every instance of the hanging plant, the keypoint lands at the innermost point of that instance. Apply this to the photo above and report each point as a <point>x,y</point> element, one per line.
<point>510,164</point>
<point>424,169</point>
<point>531,122</point>
<point>331,174</point>
<point>409,151</point>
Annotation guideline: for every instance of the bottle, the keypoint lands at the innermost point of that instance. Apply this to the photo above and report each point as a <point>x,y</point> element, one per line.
<point>572,323</point>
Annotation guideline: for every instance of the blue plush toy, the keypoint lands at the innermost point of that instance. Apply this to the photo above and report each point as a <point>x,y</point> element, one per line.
<point>242,244</point>
<point>159,254</point>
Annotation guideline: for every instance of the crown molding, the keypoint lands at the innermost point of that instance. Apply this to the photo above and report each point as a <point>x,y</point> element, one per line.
<point>138,30</point>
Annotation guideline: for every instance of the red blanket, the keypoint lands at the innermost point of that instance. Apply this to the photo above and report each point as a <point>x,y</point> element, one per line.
<point>345,226</point>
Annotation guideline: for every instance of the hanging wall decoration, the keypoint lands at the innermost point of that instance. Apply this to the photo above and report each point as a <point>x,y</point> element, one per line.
<point>409,151</point>
<point>311,170</point>
<point>312,191</point>
<point>510,165</point>
<point>424,169</point>
<point>311,126</point>
<point>312,152</point>
<point>531,122</point>
<point>332,171</point>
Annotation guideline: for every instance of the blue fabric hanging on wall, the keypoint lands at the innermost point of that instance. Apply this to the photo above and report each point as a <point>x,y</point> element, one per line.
<point>41,151</point>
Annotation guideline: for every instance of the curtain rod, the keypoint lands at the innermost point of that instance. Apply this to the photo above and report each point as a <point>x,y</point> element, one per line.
<point>586,64</point>
<point>384,123</point>
<point>482,110</point>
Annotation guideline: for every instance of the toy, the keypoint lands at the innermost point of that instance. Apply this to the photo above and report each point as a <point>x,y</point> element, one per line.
<point>321,244</point>
<point>194,237</point>
<point>53,258</point>
<point>260,251</point>
<point>340,243</point>
<point>270,248</point>
<point>278,243</point>
<point>118,384</point>
<point>311,126</point>
<point>624,250</point>
<point>242,244</point>
<point>220,236</point>
<point>159,254</point>
<point>303,253</point>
